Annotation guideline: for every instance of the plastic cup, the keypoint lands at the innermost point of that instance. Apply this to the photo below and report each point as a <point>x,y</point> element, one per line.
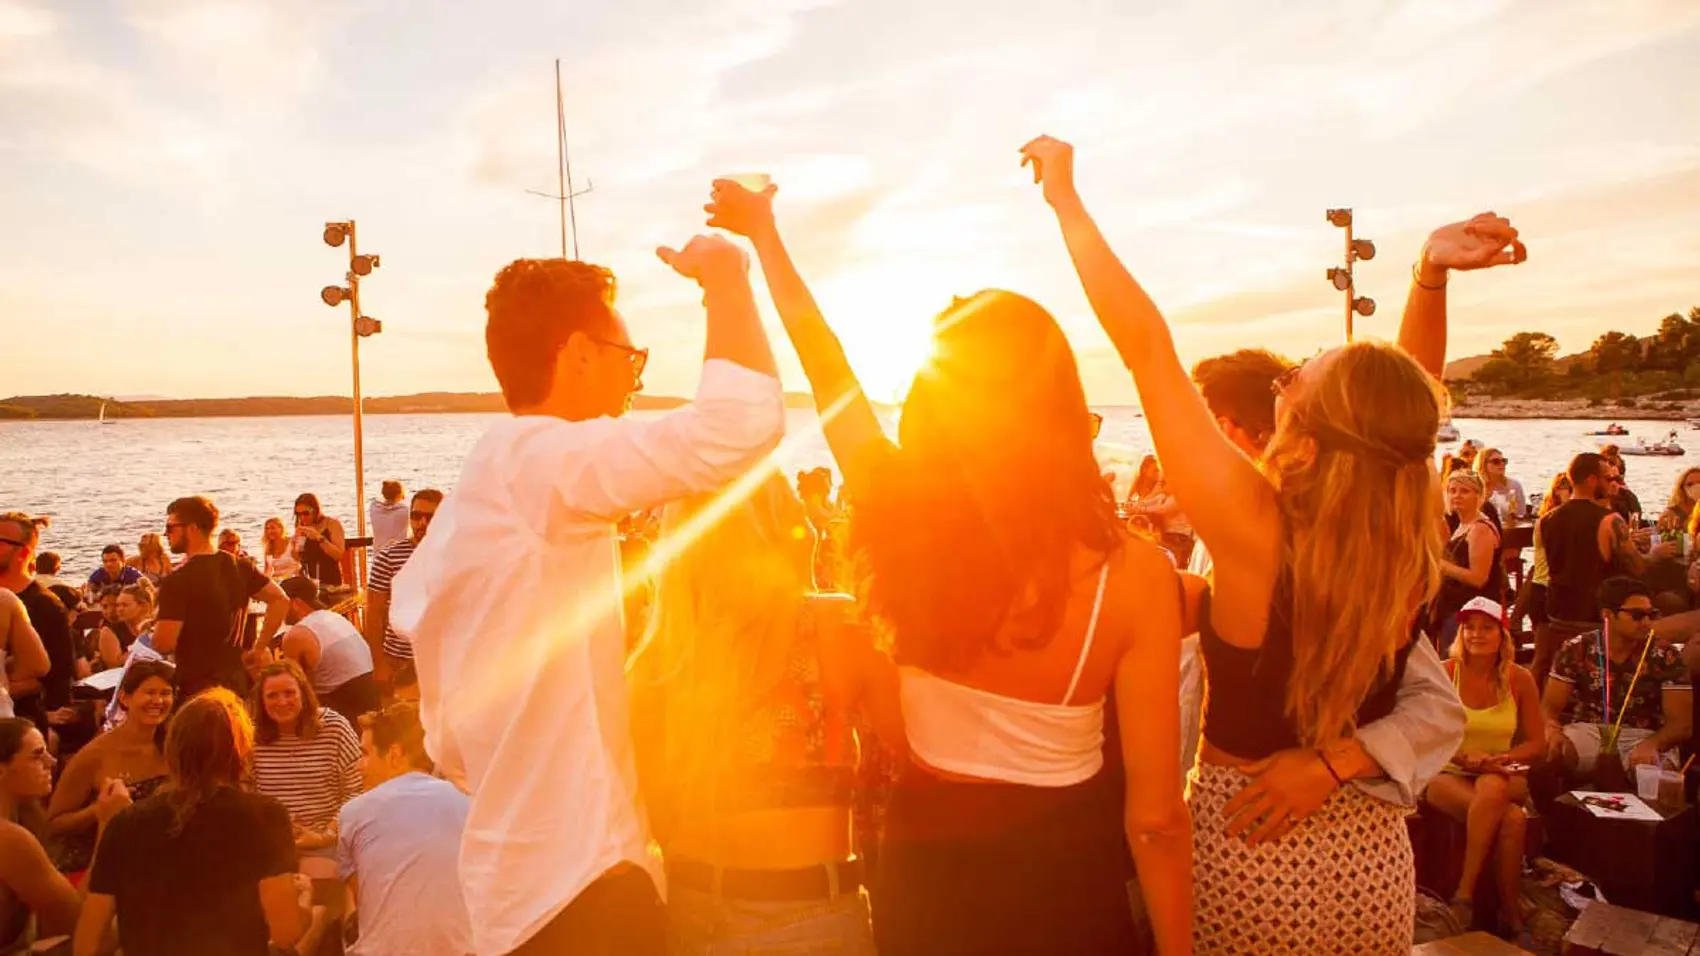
<point>1647,781</point>
<point>1671,790</point>
<point>754,182</point>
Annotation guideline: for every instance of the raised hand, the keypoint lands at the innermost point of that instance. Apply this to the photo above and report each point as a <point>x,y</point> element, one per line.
<point>112,798</point>
<point>1481,242</point>
<point>1053,167</point>
<point>734,208</point>
<point>706,257</point>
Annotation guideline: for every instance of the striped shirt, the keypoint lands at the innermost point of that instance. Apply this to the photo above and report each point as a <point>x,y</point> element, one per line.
<point>313,777</point>
<point>384,568</point>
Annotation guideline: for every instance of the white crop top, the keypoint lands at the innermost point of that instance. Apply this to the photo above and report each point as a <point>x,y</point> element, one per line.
<point>977,733</point>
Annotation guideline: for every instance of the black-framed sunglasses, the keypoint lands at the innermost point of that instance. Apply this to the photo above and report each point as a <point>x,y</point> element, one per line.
<point>171,526</point>
<point>1639,614</point>
<point>639,357</point>
<point>14,542</point>
<point>303,514</point>
<point>1497,461</point>
<point>421,515</point>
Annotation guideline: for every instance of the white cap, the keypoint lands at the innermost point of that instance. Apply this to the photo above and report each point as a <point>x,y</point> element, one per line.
<point>1482,605</point>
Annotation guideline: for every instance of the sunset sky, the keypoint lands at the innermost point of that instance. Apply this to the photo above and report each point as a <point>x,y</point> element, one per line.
<point>166,167</point>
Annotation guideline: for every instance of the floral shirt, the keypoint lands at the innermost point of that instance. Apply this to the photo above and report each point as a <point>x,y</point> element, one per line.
<point>1578,665</point>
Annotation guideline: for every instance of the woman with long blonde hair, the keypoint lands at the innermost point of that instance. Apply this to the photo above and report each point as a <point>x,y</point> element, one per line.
<point>1486,783</point>
<point>743,695</point>
<point>276,554</point>
<point>150,558</point>
<point>1325,550</point>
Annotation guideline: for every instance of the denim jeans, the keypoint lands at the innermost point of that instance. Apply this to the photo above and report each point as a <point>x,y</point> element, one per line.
<point>701,924</point>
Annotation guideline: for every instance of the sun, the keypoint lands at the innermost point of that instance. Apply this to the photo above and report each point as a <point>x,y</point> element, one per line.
<point>887,334</point>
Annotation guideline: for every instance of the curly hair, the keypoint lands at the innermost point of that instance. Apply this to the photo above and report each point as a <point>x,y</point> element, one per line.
<point>533,307</point>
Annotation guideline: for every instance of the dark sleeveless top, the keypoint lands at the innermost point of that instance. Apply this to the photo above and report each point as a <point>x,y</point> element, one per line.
<point>1570,535</point>
<point>125,636</point>
<point>1454,594</point>
<point>318,565</point>
<point>1245,696</point>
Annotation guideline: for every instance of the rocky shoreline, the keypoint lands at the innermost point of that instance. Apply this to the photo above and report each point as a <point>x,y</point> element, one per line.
<point>1578,408</point>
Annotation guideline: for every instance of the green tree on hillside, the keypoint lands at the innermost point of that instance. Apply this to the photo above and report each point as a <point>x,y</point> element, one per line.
<point>1615,352</point>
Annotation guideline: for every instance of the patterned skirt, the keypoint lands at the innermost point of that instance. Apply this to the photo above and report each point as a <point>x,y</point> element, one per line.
<point>1341,882</point>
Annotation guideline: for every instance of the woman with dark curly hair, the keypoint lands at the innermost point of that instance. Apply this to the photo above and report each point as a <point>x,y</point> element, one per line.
<point>1016,601</point>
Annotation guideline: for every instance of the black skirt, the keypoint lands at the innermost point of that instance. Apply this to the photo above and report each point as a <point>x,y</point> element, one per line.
<point>968,868</point>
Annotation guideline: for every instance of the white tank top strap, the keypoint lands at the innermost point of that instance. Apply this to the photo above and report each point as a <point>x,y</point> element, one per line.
<point>1091,632</point>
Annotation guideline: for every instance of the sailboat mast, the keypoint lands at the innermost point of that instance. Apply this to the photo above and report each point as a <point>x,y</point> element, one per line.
<point>561,164</point>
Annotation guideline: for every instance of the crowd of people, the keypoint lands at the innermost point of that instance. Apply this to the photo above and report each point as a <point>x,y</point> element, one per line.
<point>627,690</point>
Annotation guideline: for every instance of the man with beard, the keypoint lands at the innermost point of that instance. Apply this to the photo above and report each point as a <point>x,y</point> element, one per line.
<point>203,605</point>
<point>36,690</point>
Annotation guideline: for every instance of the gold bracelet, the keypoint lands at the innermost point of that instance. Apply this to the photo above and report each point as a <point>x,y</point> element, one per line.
<point>1416,276</point>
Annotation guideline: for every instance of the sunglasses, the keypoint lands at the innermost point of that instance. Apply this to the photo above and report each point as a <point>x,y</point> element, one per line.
<point>171,526</point>
<point>1285,380</point>
<point>303,514</point>
<point>1639,614</point>
<point>421,515</point>
<point>639,357</point>
<point>1496,461</point>
<point>14,542</point>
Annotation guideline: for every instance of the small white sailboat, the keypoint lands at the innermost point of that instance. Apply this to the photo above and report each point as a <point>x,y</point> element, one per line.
<point>103,418</point>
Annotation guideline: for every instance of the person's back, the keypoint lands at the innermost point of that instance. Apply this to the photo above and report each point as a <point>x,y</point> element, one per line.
<point>401,840</point>
<point>209,595</point>
<point>514,603</point>
<point>196,891</point>
<point>388,517</point>
<point>344,658</point>
<point>1575,568</point>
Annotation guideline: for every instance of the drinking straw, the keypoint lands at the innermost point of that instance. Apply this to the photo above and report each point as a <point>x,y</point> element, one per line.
<point>1638,666</point>
<point>1605,672</point>
<point>1685,766</point>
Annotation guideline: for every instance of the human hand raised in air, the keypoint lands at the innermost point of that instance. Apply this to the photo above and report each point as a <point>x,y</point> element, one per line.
<point>1480,242</point>
<point>736,208</point>
<point>705,258</point>
<point>1053,167</point>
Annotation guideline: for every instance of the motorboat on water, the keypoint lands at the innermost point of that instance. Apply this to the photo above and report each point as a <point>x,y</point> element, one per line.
<point>1449,432</point>
<point>1613,430</point>
<point>1668,448</point>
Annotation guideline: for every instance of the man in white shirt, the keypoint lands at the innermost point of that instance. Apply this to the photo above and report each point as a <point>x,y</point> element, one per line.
<point>513,603</point>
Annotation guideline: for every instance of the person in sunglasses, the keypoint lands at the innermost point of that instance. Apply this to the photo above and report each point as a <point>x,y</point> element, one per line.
<point>389,649</point>
<point>1647,695</point>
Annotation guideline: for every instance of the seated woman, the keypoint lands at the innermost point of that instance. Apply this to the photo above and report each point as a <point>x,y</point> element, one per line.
<point>1485,785</point>
<point>202,866</point>
<point>307,757</point>
<point>133,753</point>
<point>132,617</point>
<point>29,885</point>
<point>742,712</point>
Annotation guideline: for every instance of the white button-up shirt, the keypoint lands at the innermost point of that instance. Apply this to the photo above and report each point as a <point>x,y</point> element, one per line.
<point>513,603</point>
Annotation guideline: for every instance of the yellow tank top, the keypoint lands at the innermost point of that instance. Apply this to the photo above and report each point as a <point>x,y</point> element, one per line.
<point>1489,730</point>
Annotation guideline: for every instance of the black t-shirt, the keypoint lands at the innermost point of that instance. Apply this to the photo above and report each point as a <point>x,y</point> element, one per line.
<point>209,594</point>
<point>196,892</point>
<point>50,619</point>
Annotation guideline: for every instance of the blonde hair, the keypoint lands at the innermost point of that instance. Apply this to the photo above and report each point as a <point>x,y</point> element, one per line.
<point>1506,655</point>
<point>282,539</point>
<point>152,545</point>
<point>1350,461</point>
<point>1480,464</point>
<point>1473,479</point>
<point>1679,494</point>
<point>727,610</point>
<point>1550,501</point>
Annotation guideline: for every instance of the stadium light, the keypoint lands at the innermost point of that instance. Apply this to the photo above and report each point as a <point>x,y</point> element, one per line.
<point>360,326</point>
<point>1341,276</point>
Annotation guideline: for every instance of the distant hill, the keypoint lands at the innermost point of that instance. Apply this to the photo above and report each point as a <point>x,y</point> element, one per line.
<point>1464,369</point>
<point>68,407</point>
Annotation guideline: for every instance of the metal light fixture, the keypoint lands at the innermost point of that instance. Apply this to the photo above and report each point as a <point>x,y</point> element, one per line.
<point>1341,276</point>
<point>360,326</point>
